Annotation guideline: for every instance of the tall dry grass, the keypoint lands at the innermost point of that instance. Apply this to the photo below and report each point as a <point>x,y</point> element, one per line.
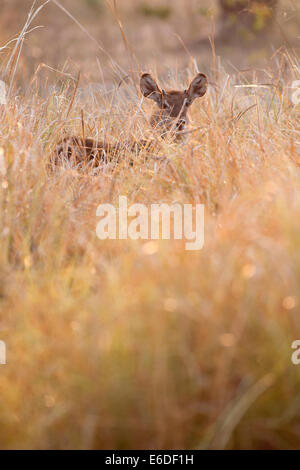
<point>142,344</point>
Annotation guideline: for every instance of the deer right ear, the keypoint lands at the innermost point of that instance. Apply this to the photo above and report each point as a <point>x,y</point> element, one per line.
<point>198,87</point>
<point>150,89</point>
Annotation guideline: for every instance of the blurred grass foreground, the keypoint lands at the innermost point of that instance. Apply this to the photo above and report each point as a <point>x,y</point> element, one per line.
<point>142,344</point>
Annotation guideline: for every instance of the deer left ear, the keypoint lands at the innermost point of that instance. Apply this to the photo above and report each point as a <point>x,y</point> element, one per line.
<point>150,89</point>
<point>198,87</point>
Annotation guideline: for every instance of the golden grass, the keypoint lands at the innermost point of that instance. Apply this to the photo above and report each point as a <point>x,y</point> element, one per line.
<point>122,344</point>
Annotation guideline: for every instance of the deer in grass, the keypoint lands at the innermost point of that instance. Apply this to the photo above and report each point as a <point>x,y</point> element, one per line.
<point>169,119</point>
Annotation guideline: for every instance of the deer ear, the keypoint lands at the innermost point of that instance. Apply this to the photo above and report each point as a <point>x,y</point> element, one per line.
<point>198,87</point>
<point>150,89</point>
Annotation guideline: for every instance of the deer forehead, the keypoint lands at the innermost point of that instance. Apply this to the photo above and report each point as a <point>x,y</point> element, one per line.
<point>174,100</point>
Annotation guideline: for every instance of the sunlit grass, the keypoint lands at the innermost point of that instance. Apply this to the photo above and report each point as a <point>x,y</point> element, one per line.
<point>140,344</point>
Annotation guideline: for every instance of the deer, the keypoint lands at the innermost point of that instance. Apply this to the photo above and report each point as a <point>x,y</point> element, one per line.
<point>170,119</point>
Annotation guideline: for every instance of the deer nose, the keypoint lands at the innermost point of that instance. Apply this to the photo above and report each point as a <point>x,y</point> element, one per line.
<point>181,124</point>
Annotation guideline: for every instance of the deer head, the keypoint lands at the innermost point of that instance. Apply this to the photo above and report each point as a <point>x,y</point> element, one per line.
<point>173,105</point>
